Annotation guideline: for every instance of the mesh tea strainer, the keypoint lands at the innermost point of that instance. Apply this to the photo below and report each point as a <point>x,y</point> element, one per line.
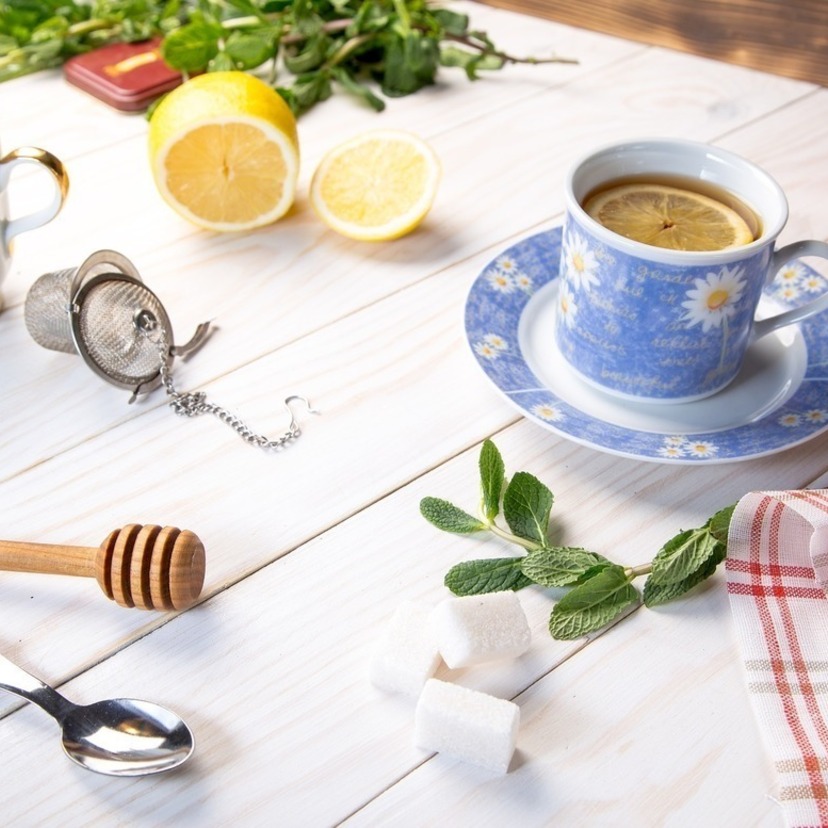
<point>103,311</point>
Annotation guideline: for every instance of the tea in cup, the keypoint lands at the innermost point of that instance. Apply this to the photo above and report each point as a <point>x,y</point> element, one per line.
<point>11,227</point>
<point>667,247</point>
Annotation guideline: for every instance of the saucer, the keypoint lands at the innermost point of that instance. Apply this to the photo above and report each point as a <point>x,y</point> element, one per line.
<point>778,400</point>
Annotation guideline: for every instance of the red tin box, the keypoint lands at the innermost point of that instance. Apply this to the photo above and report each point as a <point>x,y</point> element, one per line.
<point>127,76</point>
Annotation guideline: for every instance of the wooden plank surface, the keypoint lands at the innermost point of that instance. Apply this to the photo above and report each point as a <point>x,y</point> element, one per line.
<point>311,550</point>
<point>786,37</point>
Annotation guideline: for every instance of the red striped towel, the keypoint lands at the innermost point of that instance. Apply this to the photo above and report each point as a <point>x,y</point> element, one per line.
<point>777,579</point>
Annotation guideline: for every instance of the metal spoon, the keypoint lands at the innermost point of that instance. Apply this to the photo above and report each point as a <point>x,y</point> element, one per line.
<point>117,737</point>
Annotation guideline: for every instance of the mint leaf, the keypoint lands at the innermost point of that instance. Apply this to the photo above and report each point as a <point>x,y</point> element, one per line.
<point>682,555</point>
<point>492,478</point>
<point>248,50</point>
<point>448,517</point>
<point>353,86</point>
<point>720,523</point>
<point>307,90</point>
<point>656,594</point>
<point>526,507</point>
<point>192,47</point>
<point>489,575</point>
<point>559,565</point>
<point>452,22</point>
<point>311,56</point>
<point>592,604</point>
<point>411,62</point>
<point>471,62</point>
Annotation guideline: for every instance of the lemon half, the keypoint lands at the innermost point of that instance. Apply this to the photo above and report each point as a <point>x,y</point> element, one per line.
<point>377,186</point>
<point>224,151</point>
<point>669,217</point>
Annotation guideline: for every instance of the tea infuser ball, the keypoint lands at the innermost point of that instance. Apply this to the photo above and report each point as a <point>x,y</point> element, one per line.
<point>103,311</point>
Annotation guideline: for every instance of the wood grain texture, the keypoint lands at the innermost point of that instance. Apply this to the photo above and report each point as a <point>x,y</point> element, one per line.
<point>787,37</point>
<point>312,549</point>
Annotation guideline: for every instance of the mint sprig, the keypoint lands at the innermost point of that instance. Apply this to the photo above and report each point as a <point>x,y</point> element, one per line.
<point>306,48</point>
<point>596,590</point>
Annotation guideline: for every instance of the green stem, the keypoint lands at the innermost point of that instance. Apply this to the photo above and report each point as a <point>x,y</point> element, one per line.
<point>93,25</point>
<point>505,57</point>
<point>346,48</point>
<point>508,536</point>
<point>636,571</point>
<point>405,18</point>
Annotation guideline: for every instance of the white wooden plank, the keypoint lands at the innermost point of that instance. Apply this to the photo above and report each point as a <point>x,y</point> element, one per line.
<point>269,287</point>
<point>272,674</point>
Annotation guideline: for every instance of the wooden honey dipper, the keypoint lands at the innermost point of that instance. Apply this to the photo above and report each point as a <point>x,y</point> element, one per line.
<point>138,566</point>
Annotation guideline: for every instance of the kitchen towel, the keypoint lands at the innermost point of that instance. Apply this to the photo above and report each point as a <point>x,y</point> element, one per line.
<point>777,580</point>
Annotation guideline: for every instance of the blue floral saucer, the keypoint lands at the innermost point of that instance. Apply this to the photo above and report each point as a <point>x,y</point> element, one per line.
<point>778,400</point>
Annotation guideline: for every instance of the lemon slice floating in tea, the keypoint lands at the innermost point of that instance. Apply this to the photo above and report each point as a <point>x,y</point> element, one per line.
<point>224,151</point>
<point>669,217</point>
<point>377,186</point>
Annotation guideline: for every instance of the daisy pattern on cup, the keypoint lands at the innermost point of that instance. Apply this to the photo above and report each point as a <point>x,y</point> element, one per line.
<point>566,305</point>
<point>713,299</point>
<point>580,263</point>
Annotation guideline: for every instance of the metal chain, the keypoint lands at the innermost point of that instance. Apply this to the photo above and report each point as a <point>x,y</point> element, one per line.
<point>194,403</point>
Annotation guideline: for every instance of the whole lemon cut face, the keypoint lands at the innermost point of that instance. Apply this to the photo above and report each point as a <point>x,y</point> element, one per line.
<point>224,151</point>
<point>377,186</point>
<point>669,217</point>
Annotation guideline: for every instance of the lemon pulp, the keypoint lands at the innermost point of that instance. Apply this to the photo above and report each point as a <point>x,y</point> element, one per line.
<point>669,217</point>
<point>377,186</point>
<point>224,151</point>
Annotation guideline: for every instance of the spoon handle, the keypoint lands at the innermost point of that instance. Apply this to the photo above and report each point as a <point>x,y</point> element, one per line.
<point>16,680</point>
<point>22,556</point>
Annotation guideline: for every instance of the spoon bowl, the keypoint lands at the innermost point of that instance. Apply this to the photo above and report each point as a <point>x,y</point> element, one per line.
<point>116,737</point>
<point>126,737</point>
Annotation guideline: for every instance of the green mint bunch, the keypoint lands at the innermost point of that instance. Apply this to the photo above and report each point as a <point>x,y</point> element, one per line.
<point>395,46</point>
<point>595,590</point>
<point>41,34</point>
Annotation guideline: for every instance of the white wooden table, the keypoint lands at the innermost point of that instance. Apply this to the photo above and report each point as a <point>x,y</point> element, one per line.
<point>311,550</point>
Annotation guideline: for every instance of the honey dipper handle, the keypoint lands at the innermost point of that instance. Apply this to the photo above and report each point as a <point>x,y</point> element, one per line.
<point>22,556</point>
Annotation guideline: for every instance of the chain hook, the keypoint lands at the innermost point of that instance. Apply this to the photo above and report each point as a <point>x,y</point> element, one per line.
<point>293,427</point>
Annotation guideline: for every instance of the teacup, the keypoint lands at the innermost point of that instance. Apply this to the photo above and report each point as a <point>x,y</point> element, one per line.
<point>11,227</point>
<point>659,325</point>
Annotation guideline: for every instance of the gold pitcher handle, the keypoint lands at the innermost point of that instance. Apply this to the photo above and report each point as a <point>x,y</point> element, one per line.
<point>45,159</point>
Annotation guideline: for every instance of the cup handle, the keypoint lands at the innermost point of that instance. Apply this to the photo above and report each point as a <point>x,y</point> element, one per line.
<point>780,257</point>
<point>33,155</point>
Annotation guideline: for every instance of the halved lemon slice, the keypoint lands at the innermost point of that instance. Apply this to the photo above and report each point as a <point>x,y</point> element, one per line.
<point>224,151</point>
<point>669,217</point>
<point>377,186</point>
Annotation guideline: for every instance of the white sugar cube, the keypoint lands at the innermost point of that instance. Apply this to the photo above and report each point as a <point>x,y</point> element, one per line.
<point>477,628</point>
<point>407,655</point>
<point>466,724</point>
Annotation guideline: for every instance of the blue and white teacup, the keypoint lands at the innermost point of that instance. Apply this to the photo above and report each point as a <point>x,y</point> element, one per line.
<point>13,226</point>
<point>659,325</point>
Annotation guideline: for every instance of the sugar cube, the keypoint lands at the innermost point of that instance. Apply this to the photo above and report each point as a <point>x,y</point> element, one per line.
<point>476,628</point>
<point>407,655</point>
<point>466,724</point>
